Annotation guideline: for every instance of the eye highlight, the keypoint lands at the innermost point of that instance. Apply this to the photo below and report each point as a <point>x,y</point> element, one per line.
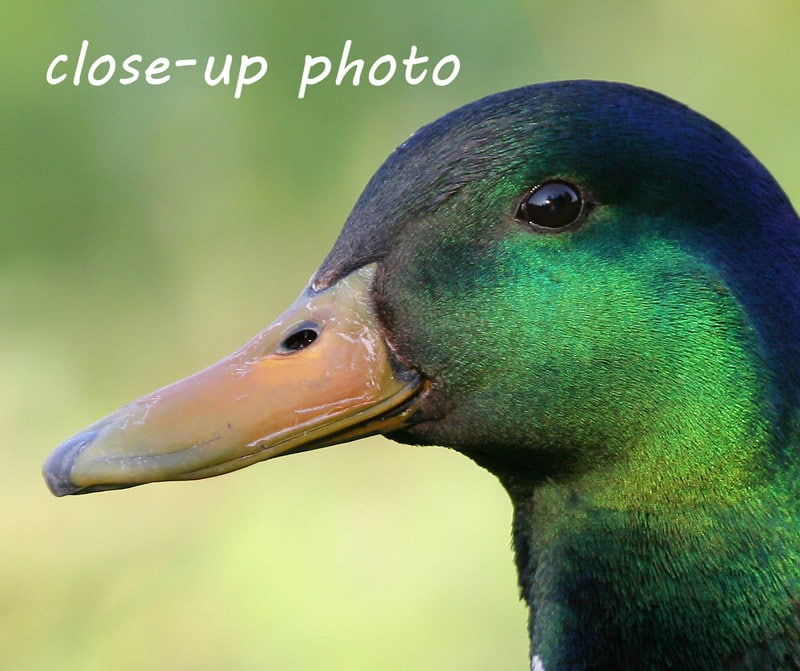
<point>552,205</point>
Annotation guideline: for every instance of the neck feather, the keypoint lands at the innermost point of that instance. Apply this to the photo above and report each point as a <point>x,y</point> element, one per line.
<point>700,587</point>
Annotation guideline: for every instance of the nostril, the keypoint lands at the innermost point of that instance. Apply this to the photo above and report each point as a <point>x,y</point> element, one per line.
<point>300,339</point>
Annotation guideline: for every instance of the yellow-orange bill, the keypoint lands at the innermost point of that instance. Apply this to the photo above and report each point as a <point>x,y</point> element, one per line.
<point>321,374</point>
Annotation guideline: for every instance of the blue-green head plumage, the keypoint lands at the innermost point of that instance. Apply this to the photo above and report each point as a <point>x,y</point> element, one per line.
<point>631,376</point>
<point>676,286</point>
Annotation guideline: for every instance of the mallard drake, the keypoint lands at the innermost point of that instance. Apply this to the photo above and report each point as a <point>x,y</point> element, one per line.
<point>590,290</point>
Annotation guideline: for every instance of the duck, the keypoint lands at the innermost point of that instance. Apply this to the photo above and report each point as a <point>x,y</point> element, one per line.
<point>593,292</point>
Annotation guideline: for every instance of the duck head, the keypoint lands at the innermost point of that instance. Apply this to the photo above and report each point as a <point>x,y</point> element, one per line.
<point>586,287</point>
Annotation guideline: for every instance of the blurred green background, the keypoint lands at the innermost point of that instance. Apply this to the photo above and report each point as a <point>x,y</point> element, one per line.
<point>149,230</point>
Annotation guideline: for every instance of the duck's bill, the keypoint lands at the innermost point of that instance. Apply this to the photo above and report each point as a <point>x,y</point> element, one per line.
<point>321,374</point>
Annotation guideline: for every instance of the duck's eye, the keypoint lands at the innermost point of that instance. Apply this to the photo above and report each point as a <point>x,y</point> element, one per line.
<point>300,339</point>
<point>551,205</point>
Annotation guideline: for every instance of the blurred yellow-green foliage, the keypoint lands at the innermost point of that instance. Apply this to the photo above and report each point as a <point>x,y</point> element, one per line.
<point>149,230</point>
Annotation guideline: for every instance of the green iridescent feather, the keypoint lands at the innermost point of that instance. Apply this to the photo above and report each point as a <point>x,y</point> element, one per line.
<point>631,381</point>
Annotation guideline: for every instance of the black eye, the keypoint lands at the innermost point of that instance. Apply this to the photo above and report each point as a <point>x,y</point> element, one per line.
<point>300,339</point>
<point>552,205</point>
